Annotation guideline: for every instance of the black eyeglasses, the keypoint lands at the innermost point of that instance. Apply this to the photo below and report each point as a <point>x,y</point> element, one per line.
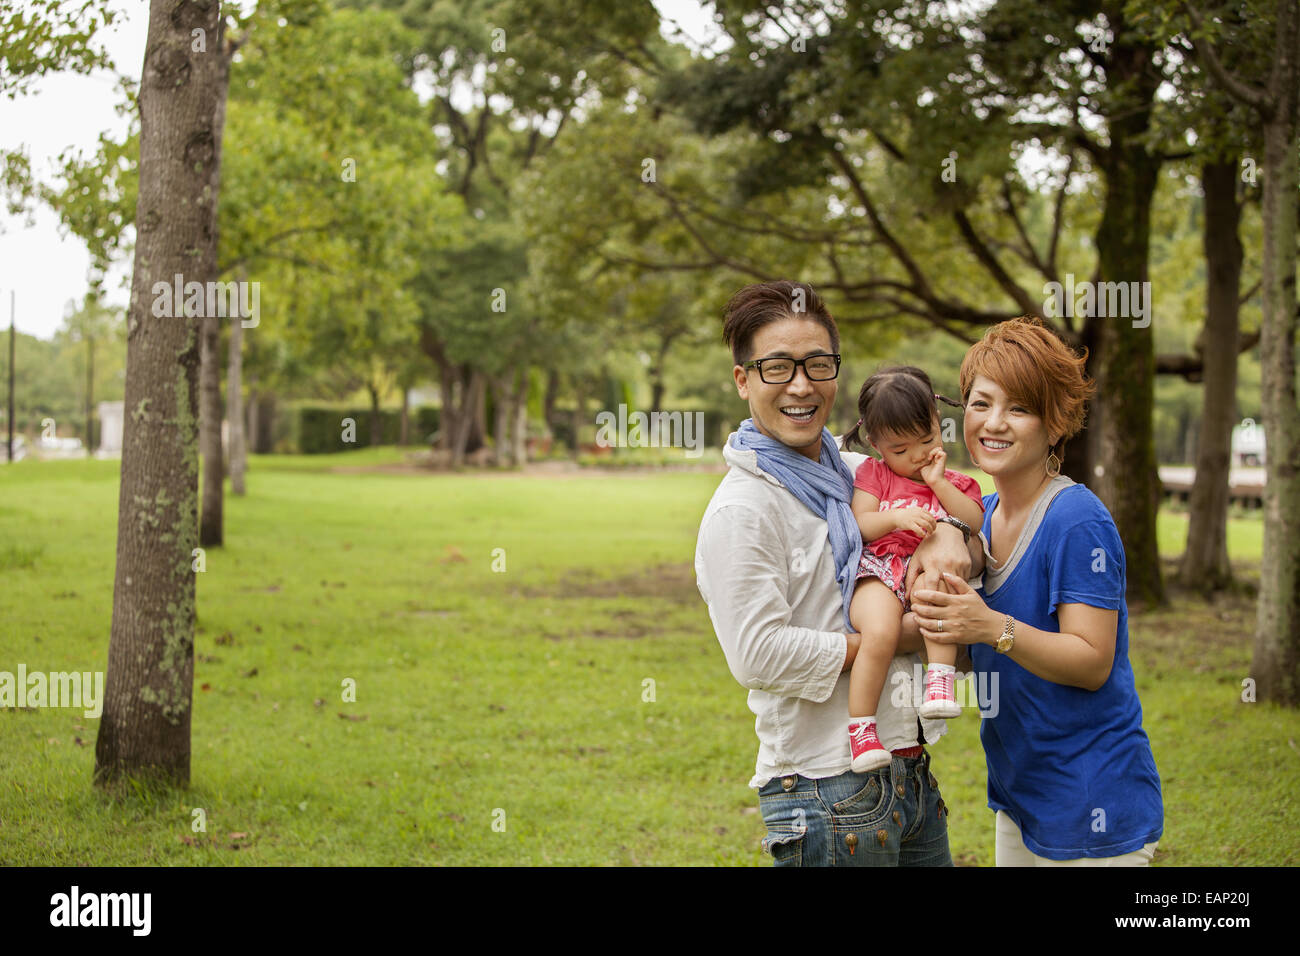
<point>777,371</point>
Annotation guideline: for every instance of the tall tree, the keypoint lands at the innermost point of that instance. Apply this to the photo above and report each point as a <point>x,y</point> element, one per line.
<point>220,50</point>
<point>1275,99</point>
<point>856,115</point>
<point>145,727</point>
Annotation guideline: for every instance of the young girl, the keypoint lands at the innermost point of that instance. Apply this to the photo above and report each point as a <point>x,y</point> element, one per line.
<point>897,502</point>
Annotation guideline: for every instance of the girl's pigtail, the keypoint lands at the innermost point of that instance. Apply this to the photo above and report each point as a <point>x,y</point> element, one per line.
<point>947,401</point>
<point>853,437</point>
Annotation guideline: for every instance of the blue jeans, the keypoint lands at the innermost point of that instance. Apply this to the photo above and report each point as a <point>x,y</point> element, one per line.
<point>894,816</point>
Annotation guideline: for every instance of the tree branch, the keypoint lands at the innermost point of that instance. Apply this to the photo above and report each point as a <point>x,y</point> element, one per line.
<point>1247,93</point>
<point>991,265</point>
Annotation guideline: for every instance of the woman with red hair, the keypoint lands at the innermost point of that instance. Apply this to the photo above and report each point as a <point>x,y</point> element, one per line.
<point>1071,776</point>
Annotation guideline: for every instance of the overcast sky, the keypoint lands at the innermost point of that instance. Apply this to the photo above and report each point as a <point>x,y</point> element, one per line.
<point>45,270</point>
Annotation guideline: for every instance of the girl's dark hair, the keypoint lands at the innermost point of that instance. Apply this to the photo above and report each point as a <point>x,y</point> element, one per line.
<point>898,399</point>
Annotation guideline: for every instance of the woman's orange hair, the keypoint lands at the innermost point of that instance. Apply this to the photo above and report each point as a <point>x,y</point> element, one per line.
<point>1035,368</point>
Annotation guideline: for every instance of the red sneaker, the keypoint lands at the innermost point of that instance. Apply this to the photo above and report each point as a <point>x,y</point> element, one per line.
<point>865,748</point>
<point>939,700</point>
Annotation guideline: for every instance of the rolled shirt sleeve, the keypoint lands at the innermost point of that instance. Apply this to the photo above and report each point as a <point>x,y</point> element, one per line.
<point>743,573</point>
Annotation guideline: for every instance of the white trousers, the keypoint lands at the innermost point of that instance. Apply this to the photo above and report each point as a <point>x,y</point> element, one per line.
<point>1010,850</point>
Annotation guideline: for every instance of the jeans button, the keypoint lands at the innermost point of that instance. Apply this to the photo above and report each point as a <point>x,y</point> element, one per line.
<point>788,783</point>
<point>900,790</point>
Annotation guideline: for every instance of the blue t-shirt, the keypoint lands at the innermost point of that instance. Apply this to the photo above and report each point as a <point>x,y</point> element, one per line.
<point>1072,767</point>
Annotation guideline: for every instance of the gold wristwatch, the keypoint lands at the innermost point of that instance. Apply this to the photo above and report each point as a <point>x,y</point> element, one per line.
<point>1008,637</point>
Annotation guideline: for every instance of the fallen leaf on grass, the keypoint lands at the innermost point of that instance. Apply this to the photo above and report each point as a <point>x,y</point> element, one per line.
<point>453,556</point>
<point>252,673</point>
<point>354,716</point>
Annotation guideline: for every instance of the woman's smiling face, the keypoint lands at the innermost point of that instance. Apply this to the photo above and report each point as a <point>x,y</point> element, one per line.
<point>1003,435</point>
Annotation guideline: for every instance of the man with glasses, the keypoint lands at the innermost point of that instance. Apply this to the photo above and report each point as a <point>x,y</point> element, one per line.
<point>776,562</point>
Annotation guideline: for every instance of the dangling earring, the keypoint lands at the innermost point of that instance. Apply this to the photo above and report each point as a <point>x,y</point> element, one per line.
<point>1053,466</point>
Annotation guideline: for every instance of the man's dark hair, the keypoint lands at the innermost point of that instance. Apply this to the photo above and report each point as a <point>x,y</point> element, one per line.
<point>756,305</point>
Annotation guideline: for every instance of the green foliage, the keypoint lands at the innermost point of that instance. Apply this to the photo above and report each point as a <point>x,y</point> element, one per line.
<point>43,36</point>
<point>317,430</point>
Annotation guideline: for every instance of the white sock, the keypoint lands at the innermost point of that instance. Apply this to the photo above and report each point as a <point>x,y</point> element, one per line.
<point>941,669</point>
<point>862,720</point>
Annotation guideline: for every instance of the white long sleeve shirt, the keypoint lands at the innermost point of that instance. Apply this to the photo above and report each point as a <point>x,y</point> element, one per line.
<point>763,564</point>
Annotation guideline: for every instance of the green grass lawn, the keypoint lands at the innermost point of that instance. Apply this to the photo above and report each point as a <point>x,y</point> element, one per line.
<point>513,697</point>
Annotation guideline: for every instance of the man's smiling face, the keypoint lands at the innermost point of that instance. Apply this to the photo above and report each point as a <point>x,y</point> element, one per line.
<point>794,413</point>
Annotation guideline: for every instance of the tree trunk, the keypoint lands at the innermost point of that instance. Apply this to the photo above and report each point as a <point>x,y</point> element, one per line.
<point>447,415</point>
<point>376,424</point>
<point>404,429</point>
<point>477,410</point>
<point>1276,663</point>
<point>579,417</point>
<point>471,399</point>
<point>144,731</point>
<point>210,432</point>
<point>211,524</point>
<point>235,407</point>
<point>548,399</point>
<point>448,377</point>
<point>1205,564</point>
<point>263,436</point>
<point>501,390</point>
<point>252,414</point>
<point>1129,484</point>
<point>519,432</point>
<point>1081,453</point>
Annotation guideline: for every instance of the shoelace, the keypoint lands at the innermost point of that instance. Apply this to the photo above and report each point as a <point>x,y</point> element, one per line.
<point>939,685</point>
<point>864,734</point>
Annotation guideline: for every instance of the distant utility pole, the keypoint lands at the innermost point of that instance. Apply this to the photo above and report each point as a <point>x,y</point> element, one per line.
<point>12,313</point>
<point>90,387</point>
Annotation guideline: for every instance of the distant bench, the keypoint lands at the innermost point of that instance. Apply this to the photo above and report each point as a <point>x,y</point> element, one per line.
<point>1245,485</point>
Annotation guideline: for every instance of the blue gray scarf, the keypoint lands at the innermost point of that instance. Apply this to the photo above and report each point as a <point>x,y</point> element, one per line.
<point>824,486</point>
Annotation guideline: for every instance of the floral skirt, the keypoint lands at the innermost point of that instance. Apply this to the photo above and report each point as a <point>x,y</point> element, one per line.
<point>891,570</point>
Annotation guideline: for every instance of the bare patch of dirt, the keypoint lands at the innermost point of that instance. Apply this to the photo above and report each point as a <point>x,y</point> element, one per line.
<point>665,582</point>
<point>425,465</point>
<point>1192,634</point>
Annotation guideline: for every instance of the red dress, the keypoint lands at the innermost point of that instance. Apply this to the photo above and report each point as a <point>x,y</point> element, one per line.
<point>887,557</point>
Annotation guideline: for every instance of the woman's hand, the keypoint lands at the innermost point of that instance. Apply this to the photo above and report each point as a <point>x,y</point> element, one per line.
<point>960,617</point>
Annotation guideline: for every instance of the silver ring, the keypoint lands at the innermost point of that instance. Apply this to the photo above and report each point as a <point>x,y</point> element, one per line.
<point>940,626</point>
